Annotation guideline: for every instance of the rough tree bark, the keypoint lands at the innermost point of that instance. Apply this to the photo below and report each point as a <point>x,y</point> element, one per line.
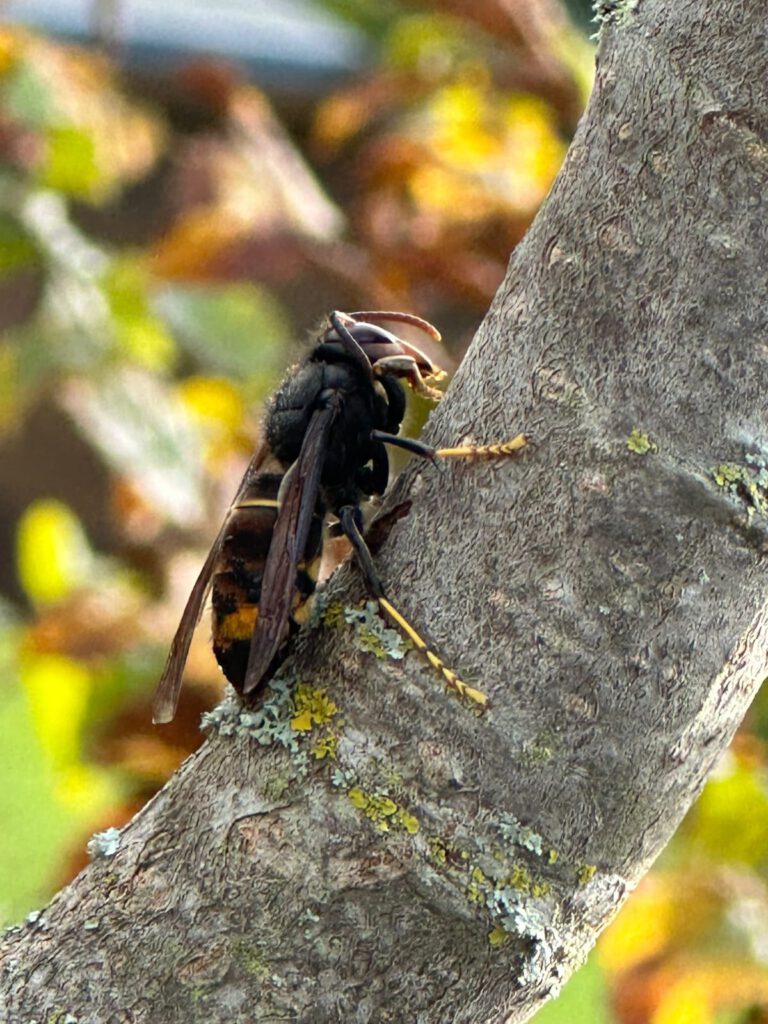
<point>606,590</point>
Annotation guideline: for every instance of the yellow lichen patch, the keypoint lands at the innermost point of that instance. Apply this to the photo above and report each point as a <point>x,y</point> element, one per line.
<point>325,747</point>
<point>476,893</point>
<point>477,886</point>
<point>391,776</point>
<point>333,615</point>
<point>640,443</point>
<point>408,821</point>
<point>437,849</point>
<point>312,707</point>
<point>585,873</point>
<point>747,484</point>
<point>383,811</point>
<point>498,936</point>
<point>520,878</point>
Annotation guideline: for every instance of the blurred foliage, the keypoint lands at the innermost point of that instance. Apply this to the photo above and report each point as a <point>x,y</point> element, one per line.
<point>691,944</point>
<point>166,244</point>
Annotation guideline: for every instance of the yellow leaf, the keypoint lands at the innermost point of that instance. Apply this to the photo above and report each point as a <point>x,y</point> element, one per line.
<point>661,916</point>
<point>685,1003</point>
<point>213,398</point>
<point>58,689</point>
<point>8,49</point>
<point>140,333</point>
<point>82,788</point>
<point>731,818</point>
<point>52,553</point>
<point>191,246</point>
<point>642,929</point>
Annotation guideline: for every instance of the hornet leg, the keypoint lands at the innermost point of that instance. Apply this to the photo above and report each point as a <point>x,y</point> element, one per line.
<point>348,516</point>
<point>471,451</point>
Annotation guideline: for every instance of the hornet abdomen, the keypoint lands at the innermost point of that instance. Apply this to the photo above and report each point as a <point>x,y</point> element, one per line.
<point>237,579</point>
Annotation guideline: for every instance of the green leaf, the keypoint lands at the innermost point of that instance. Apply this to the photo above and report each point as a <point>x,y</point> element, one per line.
<point>17,247</point>
<point>140,334</point>
<point>27,97</point>
<point>70,165</point>
<point>35,825</point>
<point>730,819</point>
<point>48,796</point>
<point>235,329</point>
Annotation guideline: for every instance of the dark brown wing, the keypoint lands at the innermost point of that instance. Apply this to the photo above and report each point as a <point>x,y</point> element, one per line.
<point>298,497</point>
<point>167,694</point>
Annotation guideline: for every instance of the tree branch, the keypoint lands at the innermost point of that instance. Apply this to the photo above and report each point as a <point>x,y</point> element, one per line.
<point>606,591</point>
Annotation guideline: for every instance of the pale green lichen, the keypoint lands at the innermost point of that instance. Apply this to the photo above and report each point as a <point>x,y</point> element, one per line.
<point>504,878</point>
<point>527,915</point>
<point>538,751</point>
<point>372,634</point>
<point>612,12</point>
<point>104,844</point>
<point>251,959</point>
<point>513,831</point>
<point>640,443</point>
<point>292,711</point>
<point>342,778</point>
<point>268,724</point>
<point>746,483</point>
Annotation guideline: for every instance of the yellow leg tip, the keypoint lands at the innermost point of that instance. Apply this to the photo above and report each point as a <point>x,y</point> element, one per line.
<point>476,696</point>
<point>464,690</point>
<point>452,681</point>
<point>485,450</point>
